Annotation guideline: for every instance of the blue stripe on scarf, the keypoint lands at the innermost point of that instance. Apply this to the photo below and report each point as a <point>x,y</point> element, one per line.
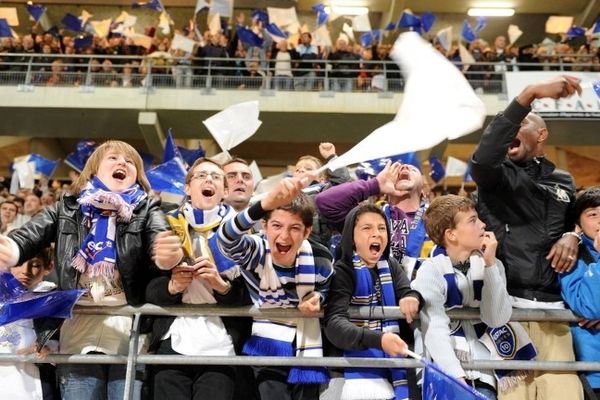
<point>262,346</point>
<point>221,261</point>
<point>453,295</point>
<point>525,353</point>
<point>477,287</point>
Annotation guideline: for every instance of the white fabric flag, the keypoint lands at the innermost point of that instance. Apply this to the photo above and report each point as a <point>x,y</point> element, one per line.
<point>255,171</point>
<point>465,57</point>
<point>164,23</point>
<point>361,23</point>
<point>234,124</point>
<point>222,7</point>
<point>432,83</point>
<point>558,24</point>
<point>347,29</point>
<point>183,43</point>
<point>201,4</point>
<point>25,172</point>
<point>102,28</point>
<point>455,167</point>
<point>282,17</point>
<point>514,33</point>
<point>10,15</point>
<point>322,37</point>
<point>444,36</point>
<point>85,17</point>
<point>214,23</point>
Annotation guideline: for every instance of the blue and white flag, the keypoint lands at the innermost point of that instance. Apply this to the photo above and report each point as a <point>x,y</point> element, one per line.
<point>276,33</point>
<point>171,150</point>
<point>80,155</point>
<point>437,169</point>
<point>36,11</point>
<point>438,385</point>
<point>248,37</point>
<point>42,165</point>
<point>322,15</point>
<point>72,22</point>
<point>155,5</point>
<point>5,30</point>
<point>415,23</point>
<point>168,177</point>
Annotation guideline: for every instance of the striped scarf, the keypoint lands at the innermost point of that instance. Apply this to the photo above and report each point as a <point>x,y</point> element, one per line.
<point>101,210</point>
<point>276,337</point>
<point>374,383</point>
<point>204,222</point>
<point>507,342</point>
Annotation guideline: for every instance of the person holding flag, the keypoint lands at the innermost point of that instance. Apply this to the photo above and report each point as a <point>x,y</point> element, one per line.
<point>103,230</point>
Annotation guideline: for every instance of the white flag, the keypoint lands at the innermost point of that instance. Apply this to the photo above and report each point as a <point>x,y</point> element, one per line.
<point>101,28</point>
<point>164,23</point>
<point>348,31</point>
<point>432,83</point>
<point>183,43</point>
<point>455,167</point>
<point>222,7</point>
<point>361,23</point>
<point>465,57</point>
<point>282,17</point>
<point>322,37</point>
<point>514,33</point>
<point>255,171</point>
<point>444,36</point>
<point>234,124</point>
<point>214,23</point>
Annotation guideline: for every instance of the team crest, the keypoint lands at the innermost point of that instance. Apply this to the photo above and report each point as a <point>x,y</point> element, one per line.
<point>504,340</point>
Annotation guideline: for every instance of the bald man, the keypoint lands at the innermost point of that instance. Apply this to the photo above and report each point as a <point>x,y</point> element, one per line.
<point>528,203</point>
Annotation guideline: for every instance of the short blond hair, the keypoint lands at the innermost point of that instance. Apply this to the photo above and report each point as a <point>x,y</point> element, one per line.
<point>92,164</point>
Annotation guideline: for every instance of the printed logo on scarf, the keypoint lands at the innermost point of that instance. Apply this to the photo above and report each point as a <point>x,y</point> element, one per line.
<point>504,340</point>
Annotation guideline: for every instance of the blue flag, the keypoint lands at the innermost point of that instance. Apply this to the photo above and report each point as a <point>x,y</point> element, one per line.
<point>43,165</point>
<point>596,27</point>
<point>575,31</point>
<point>36,11</point>
<point>79,157</point>
<point>467,33</point>
<point>322,15</point>
<point>274,30</point>
<point>390,27</point>
<point>418,24</point>
<point>190,156</point>
<point>168,177</point>
<point>481,23</point>
<point>407,158</point>
<point>5,30</point>
<point>171,150</point>
<point>82,42</point>
<point>152,5</point>
<point>438,385</point>
<point>368,169</point>
<point>17,303</point>
<point>367,39</point>
<point>72,22</point>
<point>427,21</point>
<point>248,37</point>
<point>437,169</point>
<point>262,16</point>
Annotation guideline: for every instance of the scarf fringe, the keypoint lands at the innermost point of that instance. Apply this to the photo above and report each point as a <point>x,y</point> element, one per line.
<point>303,375</point>
<point>101,268</point>
<point>510,381</point>
<point>261,346</point>
<point>367,389</point>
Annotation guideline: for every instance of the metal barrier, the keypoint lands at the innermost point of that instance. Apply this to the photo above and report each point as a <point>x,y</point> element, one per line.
<point>133,359</point>
<point>326,76</point>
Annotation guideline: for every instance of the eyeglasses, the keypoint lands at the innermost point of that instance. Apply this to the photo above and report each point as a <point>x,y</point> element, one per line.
<point>202,175</point>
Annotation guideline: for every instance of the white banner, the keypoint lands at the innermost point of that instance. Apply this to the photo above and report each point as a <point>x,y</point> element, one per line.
<point>585,106</point>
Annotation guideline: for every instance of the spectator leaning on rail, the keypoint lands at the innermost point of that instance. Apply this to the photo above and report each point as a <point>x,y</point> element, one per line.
<point>103,232</point>
<point>282,270</point>
<point>581,285</point>
<point>527,203</point>
<point>367,275</point>
<point>203,277</point>
<point>468,274</point>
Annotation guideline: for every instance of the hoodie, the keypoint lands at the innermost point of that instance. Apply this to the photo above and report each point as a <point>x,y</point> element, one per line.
<point>339,330</point>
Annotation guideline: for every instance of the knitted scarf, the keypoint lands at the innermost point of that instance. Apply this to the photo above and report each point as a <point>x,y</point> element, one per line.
<point>204,222</point>
<point>101,210</point>
<point>508,342</point>
<point>374,383</point>
<point>276,337</point>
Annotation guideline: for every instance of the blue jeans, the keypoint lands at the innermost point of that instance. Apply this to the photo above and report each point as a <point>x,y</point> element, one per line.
<point>94,382</point>
<point>489,393</point>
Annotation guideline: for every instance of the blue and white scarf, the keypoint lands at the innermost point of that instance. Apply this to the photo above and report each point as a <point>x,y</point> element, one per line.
<point>508,342</point>
<point>101,210</point>
<point>374,383</point>
<point>276,337</point>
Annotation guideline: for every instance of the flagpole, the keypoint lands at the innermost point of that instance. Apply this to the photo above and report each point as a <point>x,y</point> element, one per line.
<point>414,355</point>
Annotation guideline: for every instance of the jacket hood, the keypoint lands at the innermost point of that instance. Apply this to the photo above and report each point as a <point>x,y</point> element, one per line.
<point>345,250</point>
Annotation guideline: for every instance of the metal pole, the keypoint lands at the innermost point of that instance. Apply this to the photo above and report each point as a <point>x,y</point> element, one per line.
<point>132,357</point>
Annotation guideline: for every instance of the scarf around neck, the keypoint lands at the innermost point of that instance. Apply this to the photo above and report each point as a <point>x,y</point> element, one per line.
<point>374,383</point>
<point>102,209</point>
<point>276,337</point>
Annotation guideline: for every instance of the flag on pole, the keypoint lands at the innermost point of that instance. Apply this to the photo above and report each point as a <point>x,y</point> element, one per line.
<point>437,385</point>
<point>80,155</point>
<point>455,167</point>
<point>234,124</point>
<point>437,169</point>
<point>168,177</point>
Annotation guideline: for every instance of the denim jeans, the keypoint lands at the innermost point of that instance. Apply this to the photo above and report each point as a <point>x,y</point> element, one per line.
<point>94,382</point>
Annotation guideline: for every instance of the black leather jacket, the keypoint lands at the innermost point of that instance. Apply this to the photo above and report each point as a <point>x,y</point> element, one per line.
<point>528,207</point>
<point>63,225</point>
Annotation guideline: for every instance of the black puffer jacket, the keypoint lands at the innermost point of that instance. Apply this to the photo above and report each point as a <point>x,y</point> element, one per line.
<point>63,225</point>
<point>528,207</point>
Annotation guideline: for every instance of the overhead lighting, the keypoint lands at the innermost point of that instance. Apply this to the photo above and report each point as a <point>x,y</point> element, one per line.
<point>347,10</point>
<point>491,12</point>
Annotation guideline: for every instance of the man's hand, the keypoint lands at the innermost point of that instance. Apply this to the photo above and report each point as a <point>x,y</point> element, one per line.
<point>310,306</point>
<point>181,277</point>
<point>284,193</point>
<point>327,150</point>
<point>387,179</point>
<point>556,88</point>
<point>206,270</point>
<point>167,250</point>
<point>589,324</point>
<point>409,306</point>
<point>393,345</point>
<point>489,248</point>
<point>563,254</point>
<point>6,254</point>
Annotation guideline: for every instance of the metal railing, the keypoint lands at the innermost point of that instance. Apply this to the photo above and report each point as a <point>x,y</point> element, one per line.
<point>132,359</point>
<point>326,76</point>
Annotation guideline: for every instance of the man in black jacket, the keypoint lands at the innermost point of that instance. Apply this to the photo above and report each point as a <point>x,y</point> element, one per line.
<point>527,203</point>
